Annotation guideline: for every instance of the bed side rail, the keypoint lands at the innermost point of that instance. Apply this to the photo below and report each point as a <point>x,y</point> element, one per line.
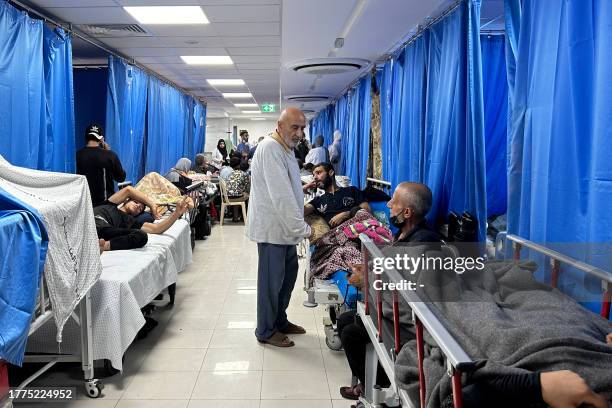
<point>380,184</point>
<point>557,259</point>
<point>457,359</point>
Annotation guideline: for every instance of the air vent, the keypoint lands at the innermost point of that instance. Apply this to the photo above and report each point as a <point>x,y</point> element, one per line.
<point>113,30</point>
<point>328,66</point>
<point>307,98</point>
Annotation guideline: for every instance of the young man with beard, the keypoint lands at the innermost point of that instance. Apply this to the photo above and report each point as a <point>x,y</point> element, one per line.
<point>338,204</point>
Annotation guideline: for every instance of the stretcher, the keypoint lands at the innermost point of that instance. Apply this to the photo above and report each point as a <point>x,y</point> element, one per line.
<point>335,293</point>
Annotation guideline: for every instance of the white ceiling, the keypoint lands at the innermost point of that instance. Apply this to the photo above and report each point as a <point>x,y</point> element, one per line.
<point>261,36</point>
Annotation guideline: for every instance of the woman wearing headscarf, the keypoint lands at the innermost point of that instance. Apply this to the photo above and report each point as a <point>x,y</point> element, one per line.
<point>220,154</point>
<point>335,151</point>
<point>178,173</point>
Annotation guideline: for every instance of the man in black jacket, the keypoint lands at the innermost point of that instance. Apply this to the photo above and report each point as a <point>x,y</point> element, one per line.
<point>99,164</point>
<point>410,204</point>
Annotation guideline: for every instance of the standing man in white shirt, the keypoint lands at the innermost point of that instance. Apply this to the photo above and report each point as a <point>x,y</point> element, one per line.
<point>276,223</point>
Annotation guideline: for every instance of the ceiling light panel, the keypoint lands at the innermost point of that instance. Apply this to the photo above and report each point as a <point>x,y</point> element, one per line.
<point>168,14</point>
<point>250,111</point>
<point>246,105</point>
<point>207,59</point>
<point>237,95</point>
<point>226,82</point>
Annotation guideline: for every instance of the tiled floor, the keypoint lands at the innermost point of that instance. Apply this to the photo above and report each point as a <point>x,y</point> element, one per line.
<point>204,352</point>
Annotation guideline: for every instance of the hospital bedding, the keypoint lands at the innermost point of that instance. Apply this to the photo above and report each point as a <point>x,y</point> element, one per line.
<point>73,258</point>
<point>23,245</point>
<point>129,281</point>
<point>508,322</point>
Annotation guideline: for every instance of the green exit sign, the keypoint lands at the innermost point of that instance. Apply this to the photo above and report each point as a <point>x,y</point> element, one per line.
<point>268,107</point>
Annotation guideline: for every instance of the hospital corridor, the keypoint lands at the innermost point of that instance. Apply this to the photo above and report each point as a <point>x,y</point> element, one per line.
<point>305,204</point>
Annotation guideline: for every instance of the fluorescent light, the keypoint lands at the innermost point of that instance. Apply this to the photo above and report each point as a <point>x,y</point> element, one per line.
<point>248,112</point>
<point>226,82</point>
<point>258,118</point>
<point>237,95</point>
<point>168,14</point>
<point>246,105</point>
<point>207,59</point>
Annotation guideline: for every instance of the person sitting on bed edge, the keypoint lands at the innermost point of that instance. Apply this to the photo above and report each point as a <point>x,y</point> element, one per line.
<point>558,389</point>
<point>338,204</point>
<point>116,222</point>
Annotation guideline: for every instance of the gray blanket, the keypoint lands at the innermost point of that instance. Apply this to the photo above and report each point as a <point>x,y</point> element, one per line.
<point>507,322</point>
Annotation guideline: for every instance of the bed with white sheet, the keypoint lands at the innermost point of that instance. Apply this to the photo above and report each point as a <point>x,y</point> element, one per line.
<point>130,280</point>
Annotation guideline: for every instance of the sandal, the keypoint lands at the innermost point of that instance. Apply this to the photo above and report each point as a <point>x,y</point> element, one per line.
<point>278,340</point>
<point>351,393</point>
<point>293,329</point>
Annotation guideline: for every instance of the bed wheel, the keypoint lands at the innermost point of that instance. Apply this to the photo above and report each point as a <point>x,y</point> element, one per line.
<point>334,343</point>
<point>94,388</point>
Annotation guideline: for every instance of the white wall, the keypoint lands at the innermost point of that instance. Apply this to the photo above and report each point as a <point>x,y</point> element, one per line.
<point>216,129</point>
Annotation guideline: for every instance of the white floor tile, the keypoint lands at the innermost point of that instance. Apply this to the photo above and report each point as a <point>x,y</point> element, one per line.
<point>295,404</point>
<point>161,385</point>
<point>174,360</point>
<point>239,338</point>
<point>337,379</point>
<point>237,321</point>
<point>298,385</point>
<point>152,404</point>
<point>293,359</point>
<point>227,385</point>
<point>247,359</point>
<point>223,404</point>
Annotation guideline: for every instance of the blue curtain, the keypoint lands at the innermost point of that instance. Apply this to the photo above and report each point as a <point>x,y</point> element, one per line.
<point>341,124</point>
<point>358,132</point>
<point>410,162</point>
<point>188,105</point>
<point>125,115</point>
<point>323,124</point>
<point>454,166</point>
<point>165,127</point>
<point>495,97</point>
<point>23,240</point>
<point>199,127</point>
<point>57,149</point>
<point>560,130</point>
<point>89,100</point>
<point>390,105</point>
<point>22,111</point>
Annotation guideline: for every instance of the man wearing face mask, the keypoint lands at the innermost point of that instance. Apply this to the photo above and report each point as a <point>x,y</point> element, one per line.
<point>408,207</point>
<point>338,204</point>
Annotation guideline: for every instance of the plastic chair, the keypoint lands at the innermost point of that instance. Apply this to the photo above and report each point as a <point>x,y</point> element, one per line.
<point>230,202</point>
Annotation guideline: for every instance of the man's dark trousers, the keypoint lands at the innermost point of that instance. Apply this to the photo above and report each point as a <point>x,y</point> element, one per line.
<point>277,273</point>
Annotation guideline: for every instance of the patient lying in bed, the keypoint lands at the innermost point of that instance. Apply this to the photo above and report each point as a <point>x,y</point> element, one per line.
<point>117,225</point>
<point>533,345</point>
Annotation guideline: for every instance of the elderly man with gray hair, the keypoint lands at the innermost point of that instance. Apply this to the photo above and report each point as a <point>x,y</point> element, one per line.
<point>276,223</point>
<point>318,154</point>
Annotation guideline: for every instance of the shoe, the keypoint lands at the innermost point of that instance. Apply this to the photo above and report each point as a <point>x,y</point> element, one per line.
<point>293,329</point>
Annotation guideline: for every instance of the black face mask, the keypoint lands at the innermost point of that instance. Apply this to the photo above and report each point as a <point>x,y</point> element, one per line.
<point>394,221</point>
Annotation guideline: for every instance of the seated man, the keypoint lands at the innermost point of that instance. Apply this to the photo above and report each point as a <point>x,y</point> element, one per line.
<point>337,204</point>
<point>560,388</point>
<point>408,207</point>
<point>116,222</point>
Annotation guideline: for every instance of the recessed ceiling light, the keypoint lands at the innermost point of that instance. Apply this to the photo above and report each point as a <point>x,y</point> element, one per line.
<point>246,105</point>
<point>247,112</point>
<point>258,118</point>
<point>168,14</point>
<point>237,95</point>
<point>207,59</point>
<point>226,82</point>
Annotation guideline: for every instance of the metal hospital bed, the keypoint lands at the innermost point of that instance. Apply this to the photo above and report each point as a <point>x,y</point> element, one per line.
<point>42,314</point>
<point>456,359</point>
<point>385,355</point>
<point>335,294</point>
